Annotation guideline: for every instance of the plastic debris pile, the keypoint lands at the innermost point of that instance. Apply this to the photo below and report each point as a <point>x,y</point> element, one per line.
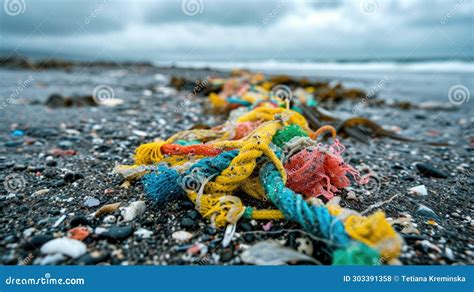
<point>267,151</point>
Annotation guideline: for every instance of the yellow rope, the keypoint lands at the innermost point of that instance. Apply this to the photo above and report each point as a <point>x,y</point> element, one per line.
<point>374,231</point>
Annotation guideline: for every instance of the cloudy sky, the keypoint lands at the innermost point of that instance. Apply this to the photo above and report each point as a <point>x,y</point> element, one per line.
<point>237,30</point>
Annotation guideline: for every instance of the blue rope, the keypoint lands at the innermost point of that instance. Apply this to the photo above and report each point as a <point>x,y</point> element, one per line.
<point>163,184</point>
<point>314,219</point>
<point>211,166</point>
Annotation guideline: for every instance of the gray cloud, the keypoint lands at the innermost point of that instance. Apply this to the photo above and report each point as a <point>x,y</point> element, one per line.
<point>160,30</point>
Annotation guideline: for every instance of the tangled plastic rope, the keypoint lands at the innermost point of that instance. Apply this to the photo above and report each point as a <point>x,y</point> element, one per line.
<point>267,151</point>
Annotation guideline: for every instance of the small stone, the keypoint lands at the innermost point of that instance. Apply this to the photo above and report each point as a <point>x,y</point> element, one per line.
<point>226,255</point>
<point>12,143</point>
<point>209,230</point>
<point>429,170</point>
<point>304,245</point>
<point>143,233</point>
<point>51,163</point>
<point>427,246</point>
<point>79,220</point>
<point>51,259</point>
<point>426,212</point>
<point>19,167</point>
<point>181,236</point>
<point>66,246</point>
<point>65,144</point>
<point>249,237</point>
<point>72,177</point>
<point>419,190</point>
<point>448,253</point>
<point>116,233</point>
<point>36,241</point>
<point>110,219</point>
<point>188,205</point>
<point>193,215</point>
<point>246,226</point>
<point>133,211</point>
<point>187,223</point>
<point>351,195</point>
<point>93,258</point>
<point>91,202</point>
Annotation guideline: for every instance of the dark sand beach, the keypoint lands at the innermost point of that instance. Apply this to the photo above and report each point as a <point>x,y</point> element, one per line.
<point>57,160</point>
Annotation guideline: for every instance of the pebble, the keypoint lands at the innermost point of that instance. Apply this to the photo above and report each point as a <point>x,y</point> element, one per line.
<point>193,215</point>
<point>91,202</point>
<point>36,241</point>
<point>71,177</point>
<point>351,195</point>
<point>28,232</point>
<point>110,219</point>
<point>79,220</point>
<point>93,258</point>
<point>429,170</point>
<point>66,246</point>
<point>19,167</point>
<point>143,233</point>
<point>226,255</point>
<point>116,233</point>
<point>181,236</point>
<point>65,144</point>
<point>133,211</point>
<point>427,246</point>
<point>209,230</point>
<point>419,190</point>
<point>426,212</point>
<point>12,143</point>
<point>187,223</point>
<point>188,205</point>
<point>448,253</point>
<point>52,259</point>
